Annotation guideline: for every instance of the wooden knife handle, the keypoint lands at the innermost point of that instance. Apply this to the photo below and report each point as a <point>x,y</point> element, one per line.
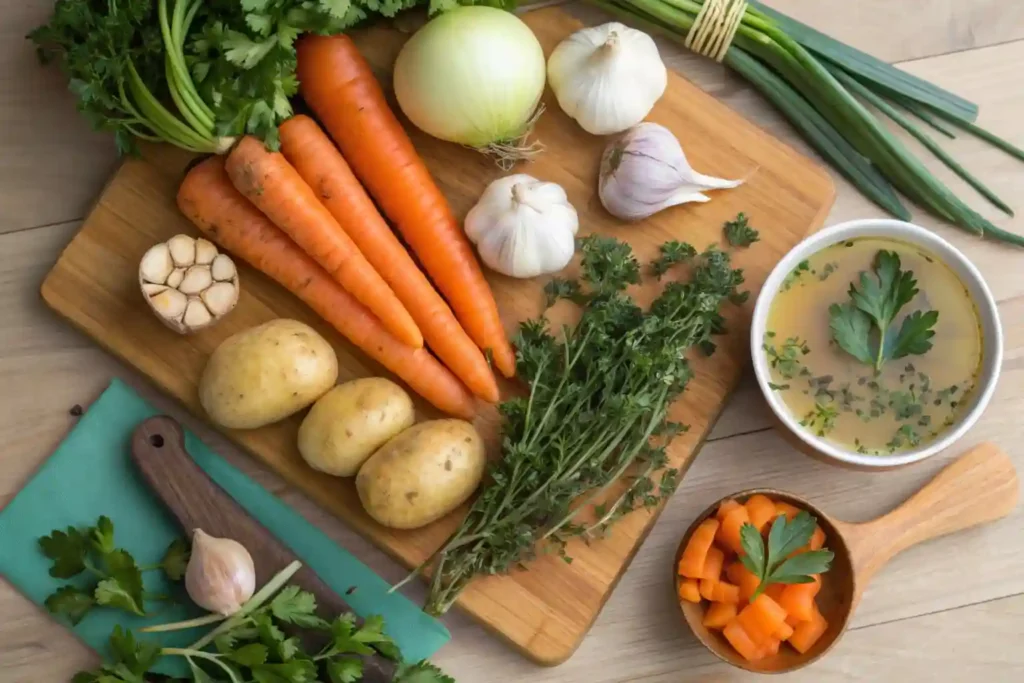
<point>158,449</point>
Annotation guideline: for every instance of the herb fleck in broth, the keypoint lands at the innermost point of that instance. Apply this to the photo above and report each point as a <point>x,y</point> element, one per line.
<point>911,399</point>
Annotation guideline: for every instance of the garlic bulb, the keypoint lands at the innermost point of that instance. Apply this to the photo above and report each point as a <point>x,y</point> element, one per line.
<point>645,171</point>
<point>523,227</point>
<point>187,283</point>
<point>220,576</point>
<point>607,77</point>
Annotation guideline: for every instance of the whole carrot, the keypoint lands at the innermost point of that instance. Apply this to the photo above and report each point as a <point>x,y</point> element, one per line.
<point>321,165</point>
<point>337,83</point>
<point>211,202</point>
<point>269,181</point>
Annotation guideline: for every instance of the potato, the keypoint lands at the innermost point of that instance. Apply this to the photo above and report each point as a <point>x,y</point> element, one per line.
<point>422,474</point>
<point>351,421</point>
<point>266,373</point>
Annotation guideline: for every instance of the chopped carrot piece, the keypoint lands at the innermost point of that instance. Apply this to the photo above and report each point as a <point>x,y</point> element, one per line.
<point>774,591</point>
<point>793,621</point>
<point>725,507</point>
<point>744,578</point>
<point>798,598</point>
<point>729,531</point>
<point>761,511</point>
<point>689,591</point>
<point>691,564</point>
<point>805,635</point>
<point>817,539</point>
<point>785,631</point>
<point>713,564</point>
<point>741,641</point>
<point>707,588</point>
<point>762,618</point>
<point>782,508</point>
<point>726,592</point>
<point>719,614</point>
<point>770,647</point>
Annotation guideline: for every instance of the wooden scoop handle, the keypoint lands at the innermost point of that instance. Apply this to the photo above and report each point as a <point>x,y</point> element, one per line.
<point>158,449</point>
<point>979,487</point>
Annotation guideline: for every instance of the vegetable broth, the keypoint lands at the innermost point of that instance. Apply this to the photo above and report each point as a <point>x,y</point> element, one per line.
<point>913,399</point>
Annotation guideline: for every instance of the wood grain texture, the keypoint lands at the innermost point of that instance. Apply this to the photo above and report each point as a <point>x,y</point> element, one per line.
<point>545,611</point>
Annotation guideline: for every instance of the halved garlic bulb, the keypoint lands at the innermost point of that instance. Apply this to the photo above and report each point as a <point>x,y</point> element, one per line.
<point>187,283</point>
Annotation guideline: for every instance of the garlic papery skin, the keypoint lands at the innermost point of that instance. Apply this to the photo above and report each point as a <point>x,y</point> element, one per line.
<point>645,171</point>
<point>187,283</point>
<point>607,77</point>
<point>523,227</point>
<point>220,576</point>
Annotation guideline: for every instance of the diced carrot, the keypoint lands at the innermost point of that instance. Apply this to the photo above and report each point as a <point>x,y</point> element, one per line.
<point>798,598</point>
<point>728,534</point>
<point>719,614</point>
<point>741,641</point>
<point>689,591</point>
<point>761,511</point>
<point>817,539</point>
<point>725,508</point>
<point>774,591</point>
<point>806,634</point>
<point>707,588</point>
<point>742,577</point>
<point>785,631</point>
<point>713,564</point>
<point>691,564</point>
<point>782,508</point>
<point>770,647</point>
<point>762,618</point>
<point>793,621</point>
<point>726,592</point>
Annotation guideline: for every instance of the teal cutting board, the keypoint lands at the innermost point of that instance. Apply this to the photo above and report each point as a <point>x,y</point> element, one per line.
<point>91,474</point>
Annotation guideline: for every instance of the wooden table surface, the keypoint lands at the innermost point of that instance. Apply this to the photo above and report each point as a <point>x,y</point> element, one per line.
<point>952,610</point>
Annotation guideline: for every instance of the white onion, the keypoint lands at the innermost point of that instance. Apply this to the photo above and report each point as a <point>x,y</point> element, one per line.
<point>474,76</point>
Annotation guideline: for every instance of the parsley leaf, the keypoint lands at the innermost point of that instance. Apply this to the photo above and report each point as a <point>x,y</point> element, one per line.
<point>345,670</point>
<point>175,560</point>
<point>777,563</point>
<point>739,233</point>
<point>68,550</point>
<point>250,655</point>
<point>296,606</point>
<point>123,587</point>
<point>70,602</point>
<point>421,672</point>
<point>672,253</point>
<point>864,328</point>
<point>137,656</point>
<point>102,536</point>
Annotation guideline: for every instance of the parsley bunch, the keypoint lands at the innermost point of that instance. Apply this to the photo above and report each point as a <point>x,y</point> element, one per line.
<point>113,578</point>
<point>777,563</point>
<point>864,326</point>
<point>596,412</point>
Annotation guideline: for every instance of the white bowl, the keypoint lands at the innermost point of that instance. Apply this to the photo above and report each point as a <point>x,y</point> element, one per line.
<point>992,357</point>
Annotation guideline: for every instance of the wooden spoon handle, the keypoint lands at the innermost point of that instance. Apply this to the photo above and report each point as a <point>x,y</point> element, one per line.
<point>979,487</point>
<point>158,449</point>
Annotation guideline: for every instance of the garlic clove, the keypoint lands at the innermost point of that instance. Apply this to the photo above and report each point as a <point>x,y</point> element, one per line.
<point>222,268</point>
<point>206,251</point>
<point>183,250</point>
<point>220,298</point>
<point>187,283</point>
<point>197,278</point>
<point>220,576</point>
<point>156,264</point>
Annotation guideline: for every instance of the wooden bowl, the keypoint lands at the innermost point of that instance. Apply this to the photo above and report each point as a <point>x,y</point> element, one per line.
<point>980,486</point>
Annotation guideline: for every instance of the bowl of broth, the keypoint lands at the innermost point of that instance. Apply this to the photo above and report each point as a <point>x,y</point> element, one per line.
<point>876,343</point>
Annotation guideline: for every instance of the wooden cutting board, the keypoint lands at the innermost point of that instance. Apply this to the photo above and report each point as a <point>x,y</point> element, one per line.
<point>546,610</point>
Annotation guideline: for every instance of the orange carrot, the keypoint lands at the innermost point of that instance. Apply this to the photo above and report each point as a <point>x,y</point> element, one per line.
<point>691,564</point>
<point>713,562</point>
<point>726,592</point>
<point>782,508</point>
<point>729,532</point>
<point>762,618</point>
<point>208,199</point>
<point>774,591</point>
<point>793,621</point>
<point>719,614</point>
<point>276,189</point>
<point>707,588</point>
<point>337,83</point>
<point>741,641</point>
<point>761,511</point>
<point>725,507</point>
<point>770,648</point>
<point>798,598</point>
<point>785,631</point>
<point>817,539</point>
<point>742,577</point>
<point>689,591</point>
<point>807,633</point>
<point>323,168</point>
